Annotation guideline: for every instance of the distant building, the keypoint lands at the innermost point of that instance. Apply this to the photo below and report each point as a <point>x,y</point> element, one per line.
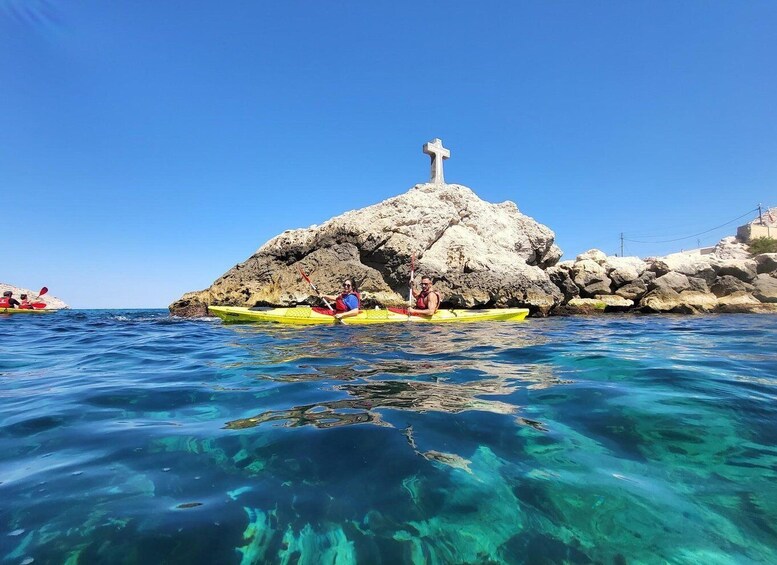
<point>764,226</point>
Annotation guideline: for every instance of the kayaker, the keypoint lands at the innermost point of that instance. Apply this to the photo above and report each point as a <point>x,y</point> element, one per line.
<point>348,302</point>
<point>427,300</point>
<point>8,301</point>
<point>25,304</point>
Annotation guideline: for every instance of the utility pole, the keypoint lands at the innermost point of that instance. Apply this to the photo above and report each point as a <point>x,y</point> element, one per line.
<point>760,215</point>
<point>621,244</point>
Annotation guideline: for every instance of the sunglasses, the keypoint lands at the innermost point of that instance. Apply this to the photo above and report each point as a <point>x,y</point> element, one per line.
<point>346,286</point>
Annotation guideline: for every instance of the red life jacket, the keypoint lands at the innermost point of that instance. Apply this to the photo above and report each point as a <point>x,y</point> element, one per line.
<point>422,302</point>
<point>26,305</point>
<point>5,302</point>
<point>340,305</point>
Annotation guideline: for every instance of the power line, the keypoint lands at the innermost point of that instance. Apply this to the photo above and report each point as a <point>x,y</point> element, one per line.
<point>693,235</point>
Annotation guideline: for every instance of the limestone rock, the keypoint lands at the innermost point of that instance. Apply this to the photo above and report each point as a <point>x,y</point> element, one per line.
<point>52,302</point>
<point>766,262</point>
<point>660,300</point>
<point>590,277</point>
<point>731,248</point>
<point>704,301</point>
<point>562,278</point>
<point>592,255</point>
<point>686,302</point>
<point>738,298</point>
<point>691,265</point>
<point>193,304</point>
<point>744,303</point>
<point>765,288</point>
<point>479,253</point>
<point>672,280</point>
<point>727,285</point>
<point>698,284</point>
<point>743,269</point>
<point>624,270</point>
<point>613,302</point>
<point>633,290</point>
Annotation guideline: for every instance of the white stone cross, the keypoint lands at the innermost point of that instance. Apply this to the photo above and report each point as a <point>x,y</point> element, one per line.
<point>438,153</point>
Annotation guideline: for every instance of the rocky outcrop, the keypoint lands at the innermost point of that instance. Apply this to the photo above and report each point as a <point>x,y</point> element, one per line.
<point>483,255</point>
<point>480,255</point>
<point>52,302</point>
<point>678,283</point>
<point>731,248</point>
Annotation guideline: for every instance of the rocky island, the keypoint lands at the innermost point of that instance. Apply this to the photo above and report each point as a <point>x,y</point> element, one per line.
<point>483,255</point>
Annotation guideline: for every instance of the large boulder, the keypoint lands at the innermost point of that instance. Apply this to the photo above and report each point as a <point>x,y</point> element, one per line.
<point>765,288</point>
<point>560,275</point>
<point>666,299</point>
<point>598,305</point>
<point>701,266</point>
<point>671,280</point>
<point>594,255</point>
<point>479,253</point>
<point>766,262</point>
<point>590,277</point>
<point>660,300</point>
<point>727,285</point>
<point>633,290</point>
<point>743,269</point>
<point>624,270</point>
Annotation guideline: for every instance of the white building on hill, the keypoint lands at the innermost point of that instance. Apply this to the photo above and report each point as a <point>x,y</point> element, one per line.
<point>764,226</point>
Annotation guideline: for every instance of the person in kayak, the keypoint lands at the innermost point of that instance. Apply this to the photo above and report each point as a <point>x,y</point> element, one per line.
<point>25,304</point>
<point>348,302</point>
<point>427,301</point>
<point>8,301</point>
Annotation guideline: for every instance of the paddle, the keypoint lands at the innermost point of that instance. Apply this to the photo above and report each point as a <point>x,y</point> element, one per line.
<point>40,305</point>
<point>304,276</point>
<point>412,276</point>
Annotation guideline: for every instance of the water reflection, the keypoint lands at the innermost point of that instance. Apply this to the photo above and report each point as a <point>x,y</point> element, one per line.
<point>365,399</point>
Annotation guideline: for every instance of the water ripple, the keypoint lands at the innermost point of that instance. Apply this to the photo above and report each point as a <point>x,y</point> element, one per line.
<point>165,439</point>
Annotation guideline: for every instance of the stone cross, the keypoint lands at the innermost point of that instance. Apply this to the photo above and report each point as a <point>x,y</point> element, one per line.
<point>438,153</point>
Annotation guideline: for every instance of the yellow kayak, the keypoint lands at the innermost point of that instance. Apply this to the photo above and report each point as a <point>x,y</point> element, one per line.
<point>25,311</point>
<point>305,315</point>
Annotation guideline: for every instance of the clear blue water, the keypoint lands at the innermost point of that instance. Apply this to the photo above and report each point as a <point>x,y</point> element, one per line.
<point>130,437</point>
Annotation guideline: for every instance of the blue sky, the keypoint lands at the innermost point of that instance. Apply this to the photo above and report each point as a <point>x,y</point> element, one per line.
<point>147,147</point>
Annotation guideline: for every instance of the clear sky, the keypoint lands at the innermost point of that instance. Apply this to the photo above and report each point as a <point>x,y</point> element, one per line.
<point>146,147</point>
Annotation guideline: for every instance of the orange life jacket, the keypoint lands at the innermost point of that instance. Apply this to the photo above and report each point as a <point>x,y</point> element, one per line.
<point>422,302</point>
<point>341,306</point>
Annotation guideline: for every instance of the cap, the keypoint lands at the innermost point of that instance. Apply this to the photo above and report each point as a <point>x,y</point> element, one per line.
<point>8,293</point>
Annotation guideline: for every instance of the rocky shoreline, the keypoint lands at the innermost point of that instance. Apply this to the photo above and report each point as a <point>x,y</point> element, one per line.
<point>726,281</point>
<point>483,255</point>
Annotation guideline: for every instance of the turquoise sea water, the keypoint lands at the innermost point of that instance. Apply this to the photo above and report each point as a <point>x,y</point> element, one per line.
<point>130,437</point>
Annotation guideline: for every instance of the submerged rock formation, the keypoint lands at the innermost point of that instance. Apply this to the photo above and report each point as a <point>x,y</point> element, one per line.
<point>479,253</point>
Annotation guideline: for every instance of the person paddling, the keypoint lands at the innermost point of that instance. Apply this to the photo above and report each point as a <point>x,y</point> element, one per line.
<point>8,301</point>
<point>347,303</point>
<point>427,300</point>
<point>25,304</point>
